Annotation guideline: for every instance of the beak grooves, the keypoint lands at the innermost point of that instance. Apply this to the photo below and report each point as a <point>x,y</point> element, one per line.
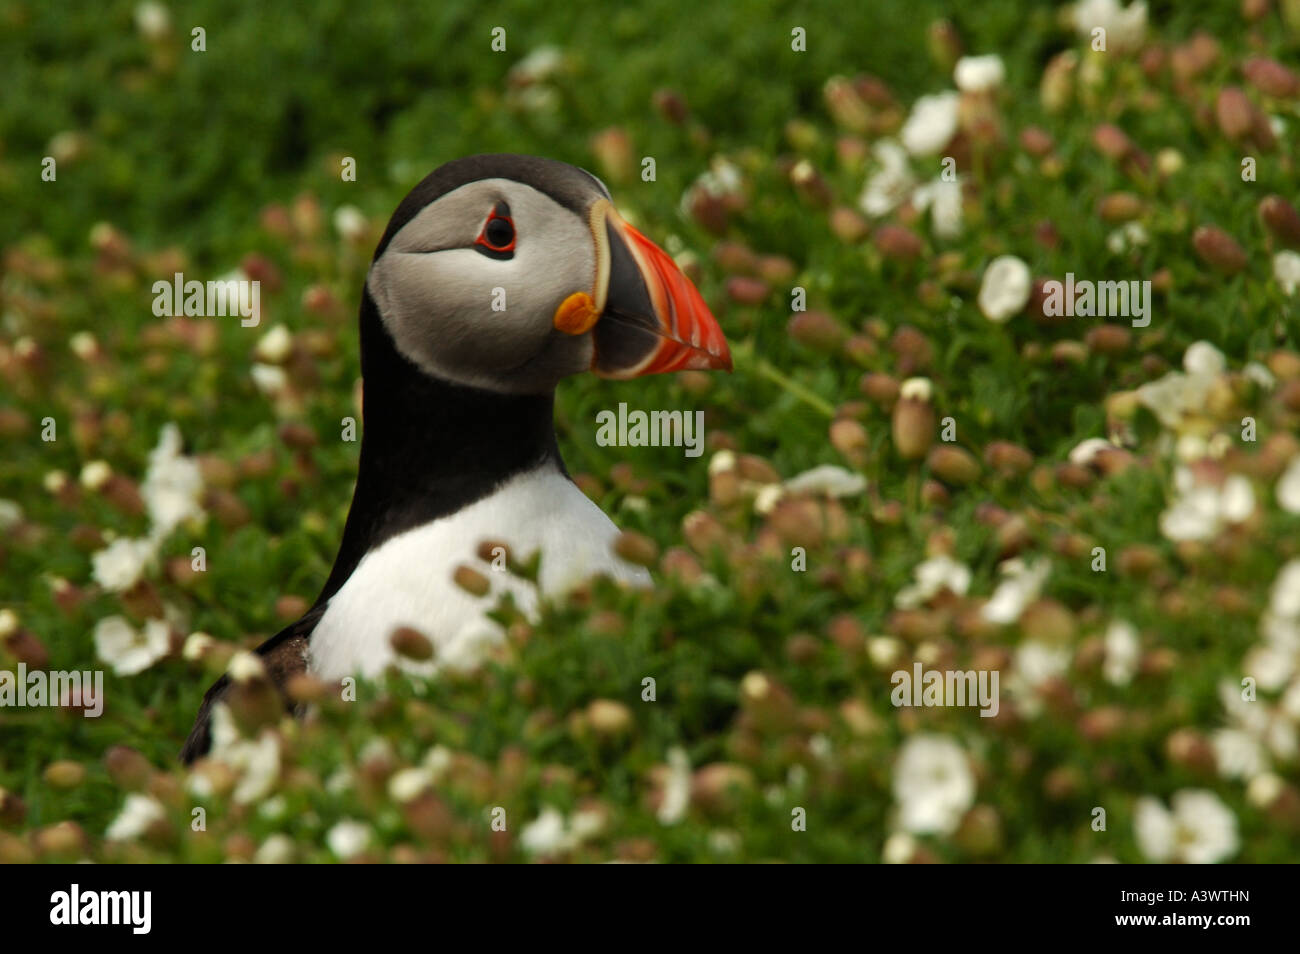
<point>653,318</point>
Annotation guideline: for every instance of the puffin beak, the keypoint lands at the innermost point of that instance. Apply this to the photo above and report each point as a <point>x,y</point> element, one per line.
<point>646,317</point>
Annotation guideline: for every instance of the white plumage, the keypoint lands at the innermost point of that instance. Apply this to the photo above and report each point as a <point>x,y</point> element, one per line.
<point>407,580</point>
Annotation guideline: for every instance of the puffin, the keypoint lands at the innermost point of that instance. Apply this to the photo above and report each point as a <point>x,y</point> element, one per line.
<point>497,277</point>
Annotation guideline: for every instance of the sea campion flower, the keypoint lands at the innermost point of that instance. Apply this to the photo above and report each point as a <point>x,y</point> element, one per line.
<point>677,788</point>
<point>1125,27</point>
<point>552,834</point>
<point>256,760</point>
<point>128,650</point>
<point>931,124</point>
<point>171,490</point>
<point>933,785</point>
<point>891,184</point>
<point>1288,487</point>
<point>1286,271</point>
<point>932,576</point>
<point>1005,288</point>
<point>1122,653</point>
<point>121,564</point>
<point>350,223</point>
<point>348,838</point>
<point>1037,662</point>
<point>172,485</point>
<point>1200,510</point>
<point>944,200</point>
<point>979,74</point>
<point>137,815</point>
<point>1021,584</point>
<point>1199,830</point>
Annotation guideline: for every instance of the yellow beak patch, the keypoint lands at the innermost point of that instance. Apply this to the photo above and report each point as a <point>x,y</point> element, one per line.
<point>576,314</point>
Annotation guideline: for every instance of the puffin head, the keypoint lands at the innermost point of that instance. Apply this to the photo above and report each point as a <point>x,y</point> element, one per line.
<point>507,273</point>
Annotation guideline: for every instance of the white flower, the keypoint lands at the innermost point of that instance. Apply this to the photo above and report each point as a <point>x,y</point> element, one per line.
<point>891,184</point>
<point>409,783</point>
<point>979,74</point>
<point>350,222</point>
<point>827,479</point>
<point>585,823</point>
<point>944,200</point>
<point>900,848</point>
<point>1271,664</point>
<point>1284,600</point>
<point>677,788</point>
<point>932,123</point>
<point>1005,288</point>
<point>1037,662</point>
<point>139,812</point>
<point>270,379</point>
<point>1129,235</point>
<point>1021,586</point>
<point>768,496</point>
<point>121,564</point>
<point>172,485</point>
<point>552,834</point>
<point>916,389</point>
<point>932,576</point>
<point>722,180</point>
<point>1238,754</point>
<point>348,838</point>
<point>537,67</point>
<point>55,481</point>
<point>276,850</point>
<point>197,646</point>
<point>1084,453</point>
<point>1199,830</point>
<point>933,785</point>
<point>1122,652</point>
<point>722,462</point>
<point>10,514</point>
<point>1125,27</point>
<point>1263,790</point>
<point>1272,726</point>
<point>95,475</point>
<point>245,666</point>
<point>1174,396</point>
<point>130,651</point>
<point>1202,510</point>
<point>152,20</point>
<point>1286,270</point>
<point>275,346</point>
<point>256,760</point>
<point>883,650</point>
<point>1203,358</point>
<point>438,760</point>
<point>547,834</point>
<point>1261,375</point>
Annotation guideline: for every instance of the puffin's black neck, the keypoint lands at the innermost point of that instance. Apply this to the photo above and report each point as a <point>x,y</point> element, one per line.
<point>430,447</point>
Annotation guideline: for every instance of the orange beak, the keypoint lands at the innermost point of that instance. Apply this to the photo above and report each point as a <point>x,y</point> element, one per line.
<point>646,317</point>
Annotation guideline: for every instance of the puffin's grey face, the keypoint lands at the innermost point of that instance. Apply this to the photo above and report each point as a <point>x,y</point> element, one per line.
<point>497,285</point>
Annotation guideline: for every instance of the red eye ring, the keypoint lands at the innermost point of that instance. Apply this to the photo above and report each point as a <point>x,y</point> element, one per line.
<point>498,233</point>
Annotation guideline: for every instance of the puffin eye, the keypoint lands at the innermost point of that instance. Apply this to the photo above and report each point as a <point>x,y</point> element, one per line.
<point>497,239</point>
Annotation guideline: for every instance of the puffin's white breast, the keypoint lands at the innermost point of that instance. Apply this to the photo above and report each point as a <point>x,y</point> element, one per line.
<point>407,580</point>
